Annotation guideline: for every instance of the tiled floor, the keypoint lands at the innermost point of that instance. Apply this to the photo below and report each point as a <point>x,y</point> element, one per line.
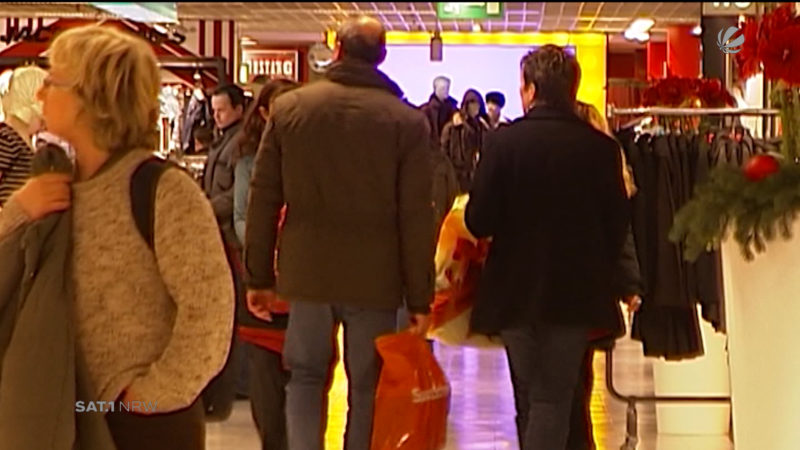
<point>482,408</point>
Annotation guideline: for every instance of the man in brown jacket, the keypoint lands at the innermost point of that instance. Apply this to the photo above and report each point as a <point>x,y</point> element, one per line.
<point>351,162</point>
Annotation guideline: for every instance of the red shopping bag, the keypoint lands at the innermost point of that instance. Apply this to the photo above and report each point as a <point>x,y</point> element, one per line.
<point>413,396</point>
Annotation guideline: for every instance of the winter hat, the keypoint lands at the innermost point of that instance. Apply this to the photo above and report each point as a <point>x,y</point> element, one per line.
<point>19,95</point>
<point>497,98</point>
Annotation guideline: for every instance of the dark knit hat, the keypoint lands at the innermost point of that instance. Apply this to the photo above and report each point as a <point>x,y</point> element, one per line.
<point>497,98</point>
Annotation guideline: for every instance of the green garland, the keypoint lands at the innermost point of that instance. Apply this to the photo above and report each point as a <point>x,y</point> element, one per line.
<point>756,211</point>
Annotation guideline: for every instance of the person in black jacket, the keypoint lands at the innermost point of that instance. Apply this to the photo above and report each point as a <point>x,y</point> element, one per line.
<point>440,107</point>
<point>548,192</point>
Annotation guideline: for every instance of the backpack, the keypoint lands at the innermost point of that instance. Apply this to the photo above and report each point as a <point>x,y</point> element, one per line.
<point>144,183</point>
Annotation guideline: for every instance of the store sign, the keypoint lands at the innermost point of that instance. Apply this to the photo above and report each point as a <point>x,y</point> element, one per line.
<point>729,8</point>
<point>157,12</point>
<point>26,34</point>
<point>469,10</point>
<point>272,63</point>
<point>44,34</point>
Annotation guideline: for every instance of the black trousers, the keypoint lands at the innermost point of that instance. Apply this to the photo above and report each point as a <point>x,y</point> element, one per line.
<point>268,396</point>
<point>220,394</point>
<point>581,435</point>
<point>548,372</point>
<point>181,430</point>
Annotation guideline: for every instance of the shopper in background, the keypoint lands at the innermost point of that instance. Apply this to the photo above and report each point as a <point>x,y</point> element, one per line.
<point>228,105</point>
<point>495,102</point>
<point>440,108</point>
<point>203,138</point>
<point>548,192</point>
<point>629,288</point>
<point>23,119</point>
<point>351,162</point>
<point>152,325</point>
<point>462,139</point>
<point>267,375</point>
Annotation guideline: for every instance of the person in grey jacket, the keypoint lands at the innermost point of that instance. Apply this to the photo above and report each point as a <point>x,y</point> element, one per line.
<point>351,162</point>
<point>228,103</point>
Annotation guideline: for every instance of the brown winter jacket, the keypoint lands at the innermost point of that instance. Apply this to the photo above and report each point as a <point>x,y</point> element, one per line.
<point>351,161</point>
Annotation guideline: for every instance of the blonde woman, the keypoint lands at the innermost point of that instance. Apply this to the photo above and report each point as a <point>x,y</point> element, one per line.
<point>153,325</point>
<point>629,284</point>
<point>23,119</point>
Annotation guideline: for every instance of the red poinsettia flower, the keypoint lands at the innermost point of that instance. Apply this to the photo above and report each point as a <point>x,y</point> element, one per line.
<point>685,92</point>
<point>712,95</point>
<point>650,97</point>
<point>782,17</point>
<point>781,55</point>
<point>747,59</point>
<point>673,91</point>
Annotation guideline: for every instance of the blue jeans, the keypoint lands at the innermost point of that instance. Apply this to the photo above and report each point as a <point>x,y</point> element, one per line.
<point>545,363</point>
<point>310,354</point>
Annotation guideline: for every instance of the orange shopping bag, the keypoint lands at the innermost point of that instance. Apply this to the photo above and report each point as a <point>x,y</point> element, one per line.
<point>413,396</point>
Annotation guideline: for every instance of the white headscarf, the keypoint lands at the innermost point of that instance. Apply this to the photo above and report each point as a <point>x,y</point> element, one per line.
<point>18,96</point>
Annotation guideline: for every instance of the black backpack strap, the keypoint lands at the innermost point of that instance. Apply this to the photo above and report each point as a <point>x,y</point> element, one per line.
<point>144,183</point>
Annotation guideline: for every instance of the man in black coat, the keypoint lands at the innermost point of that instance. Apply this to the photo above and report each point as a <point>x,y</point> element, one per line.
<point>548,191</point>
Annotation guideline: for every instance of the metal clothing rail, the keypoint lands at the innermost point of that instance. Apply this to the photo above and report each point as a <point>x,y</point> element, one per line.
<point>632,427</point>
<point>658,111</point>
<point>768,116</point>
<point>632,416</point>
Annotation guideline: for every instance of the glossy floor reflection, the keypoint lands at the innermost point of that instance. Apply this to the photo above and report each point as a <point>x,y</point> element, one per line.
<point>482,408</point>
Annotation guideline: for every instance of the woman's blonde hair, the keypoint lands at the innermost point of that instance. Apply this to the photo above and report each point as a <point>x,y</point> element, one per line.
<point>19,95</point>
<point>116,76</point>
<point>591,115</point>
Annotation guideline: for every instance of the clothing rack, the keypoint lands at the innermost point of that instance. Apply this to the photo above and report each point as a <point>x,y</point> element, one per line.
<point>632,415</point>
<point>769,126</point>
<point>769,129</point>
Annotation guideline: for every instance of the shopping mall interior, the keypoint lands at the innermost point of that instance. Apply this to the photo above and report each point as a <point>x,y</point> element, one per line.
<point>702,365</point>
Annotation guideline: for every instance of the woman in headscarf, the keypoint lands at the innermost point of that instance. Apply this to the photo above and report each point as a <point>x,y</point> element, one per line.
<point>462,138</point>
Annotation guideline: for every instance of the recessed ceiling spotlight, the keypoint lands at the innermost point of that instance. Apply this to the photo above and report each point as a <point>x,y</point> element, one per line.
<point>642,25</point>
<point>639,30</point>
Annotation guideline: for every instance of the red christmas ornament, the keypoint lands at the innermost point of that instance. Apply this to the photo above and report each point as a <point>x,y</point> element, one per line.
<point>761,166</point>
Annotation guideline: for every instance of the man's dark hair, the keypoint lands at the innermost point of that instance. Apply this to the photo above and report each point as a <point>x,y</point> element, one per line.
<point>497,98</point>
<point>359,43</point>
<point>555,74</point>
<point>204,135</point>
<point>235,94</point>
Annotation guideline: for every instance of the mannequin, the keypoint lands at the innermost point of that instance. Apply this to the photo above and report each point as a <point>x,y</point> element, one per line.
<point>440,107</point>
<point>22,119</point>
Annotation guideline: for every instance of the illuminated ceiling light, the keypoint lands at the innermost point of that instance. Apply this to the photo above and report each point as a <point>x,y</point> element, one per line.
<point>640,36</point>
<point>639,29</point>
<point>697,31</point>
<point>641,25</point>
